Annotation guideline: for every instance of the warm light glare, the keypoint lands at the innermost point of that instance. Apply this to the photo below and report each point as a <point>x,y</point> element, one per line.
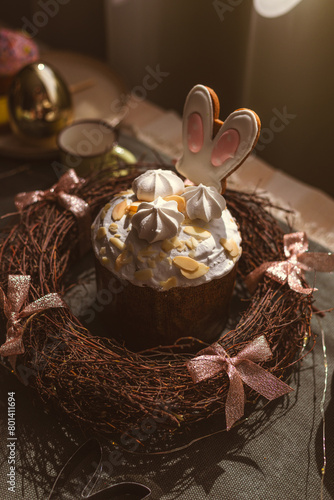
<point>40,66</point>
<point>274,8</point>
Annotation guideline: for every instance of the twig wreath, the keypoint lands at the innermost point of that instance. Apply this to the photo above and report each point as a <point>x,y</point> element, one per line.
<point>95,380</point>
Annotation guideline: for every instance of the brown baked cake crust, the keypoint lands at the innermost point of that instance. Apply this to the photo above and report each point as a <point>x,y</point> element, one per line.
<point>145,317</point>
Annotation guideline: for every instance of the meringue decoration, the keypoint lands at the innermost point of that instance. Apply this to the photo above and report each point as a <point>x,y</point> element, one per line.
<point>153,183</point>
<point>157,220</point>
<point>204,202</point>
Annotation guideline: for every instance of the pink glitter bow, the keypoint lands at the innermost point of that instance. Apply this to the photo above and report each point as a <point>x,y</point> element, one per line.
<point>291,270</point>
<point>17,294</point>
<point>240,369</point>
<point>60,192</point>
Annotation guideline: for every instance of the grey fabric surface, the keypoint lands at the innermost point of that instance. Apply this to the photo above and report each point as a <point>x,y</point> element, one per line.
<point>275,454</point>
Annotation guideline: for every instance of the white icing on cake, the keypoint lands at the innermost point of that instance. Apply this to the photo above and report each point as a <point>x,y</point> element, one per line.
<point>120,247</point>
<point>153,183</point>
<point>204,202</point>
<point>157,220</point>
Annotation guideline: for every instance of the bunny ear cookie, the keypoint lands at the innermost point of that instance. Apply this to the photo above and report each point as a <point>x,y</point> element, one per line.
<point>213,149</point>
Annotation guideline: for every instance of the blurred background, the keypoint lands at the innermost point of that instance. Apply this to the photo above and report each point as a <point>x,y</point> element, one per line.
<point>281,66</point>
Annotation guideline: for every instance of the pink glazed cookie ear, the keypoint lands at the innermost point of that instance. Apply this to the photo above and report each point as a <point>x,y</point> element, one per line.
<point>212,150</point>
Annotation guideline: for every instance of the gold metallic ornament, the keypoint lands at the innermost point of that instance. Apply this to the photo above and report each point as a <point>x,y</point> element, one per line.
<point>39,104</point>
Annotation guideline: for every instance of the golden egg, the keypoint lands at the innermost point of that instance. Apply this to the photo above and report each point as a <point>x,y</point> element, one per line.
<point>39,104</point>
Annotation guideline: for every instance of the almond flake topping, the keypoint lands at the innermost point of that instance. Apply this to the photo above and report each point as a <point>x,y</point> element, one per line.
<point>187,221</point>
<point>123,259</point>
<point>230,246</point>
<point>167,245</point>
<point>132,209</point>
<point>195,242</point>
<point>160,256</point>
<point>186,263</point>
<point>113,227</point>
<point>117,243</point>
<point>101,232</point>
<point>200,271</point>
<point>119,210</point>
<point>181,202</point>
<point>175,241</point>
<point>191,243</point>
<point>181,246</point>
<point>170,283</point>
<point>197,232</point>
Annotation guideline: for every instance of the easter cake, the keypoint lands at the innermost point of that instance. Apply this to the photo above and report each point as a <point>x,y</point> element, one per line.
<point>168,248</point>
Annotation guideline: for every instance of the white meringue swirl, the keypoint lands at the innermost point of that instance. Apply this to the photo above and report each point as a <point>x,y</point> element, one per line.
<point>153,183</point>
<point>157,220</point>
<point>204,202</point>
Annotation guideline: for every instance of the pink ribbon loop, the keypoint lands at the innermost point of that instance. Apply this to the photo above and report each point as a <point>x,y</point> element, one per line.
<point>66,184</point>
<point>12,304</point>
<point>291,270</point>
<point>61,192</point>
<point>241,369</point>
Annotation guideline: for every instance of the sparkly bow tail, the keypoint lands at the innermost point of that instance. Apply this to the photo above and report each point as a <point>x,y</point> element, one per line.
<point>291,270</point>
<point>240,369</point>
<point>12,304</point>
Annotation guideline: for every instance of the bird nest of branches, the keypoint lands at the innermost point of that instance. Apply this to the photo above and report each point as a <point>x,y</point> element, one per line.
<point>98,382</point>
